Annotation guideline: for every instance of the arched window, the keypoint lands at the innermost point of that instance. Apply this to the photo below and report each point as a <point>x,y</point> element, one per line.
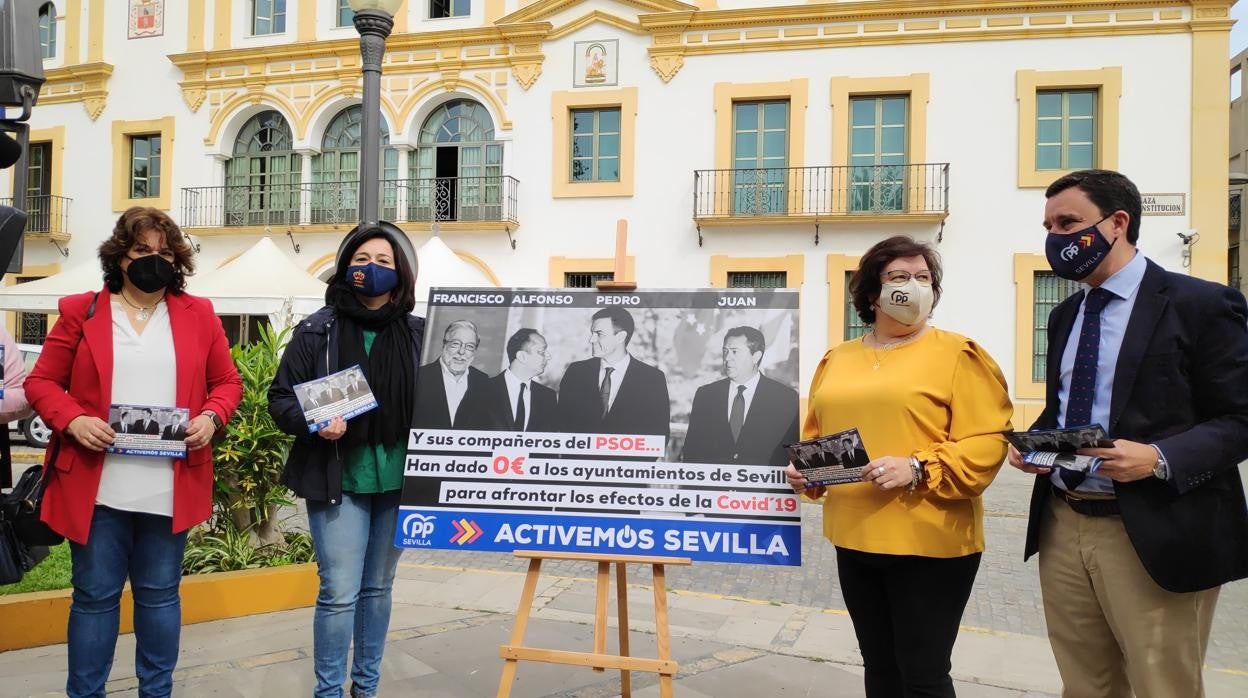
<point>458,168</point>
<point>47,30</point>
<point>262,182</point>
<point>336,170</point>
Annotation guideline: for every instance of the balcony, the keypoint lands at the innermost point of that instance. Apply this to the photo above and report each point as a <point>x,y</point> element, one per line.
<point>858,193</point>
<point>469,203</point>
<point>47,216</point>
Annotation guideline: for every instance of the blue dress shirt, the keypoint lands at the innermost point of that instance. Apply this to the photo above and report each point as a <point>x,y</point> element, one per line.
<point>1125,286</point>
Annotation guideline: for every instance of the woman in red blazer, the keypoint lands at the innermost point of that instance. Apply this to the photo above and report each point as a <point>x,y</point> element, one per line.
<point>143,342</point>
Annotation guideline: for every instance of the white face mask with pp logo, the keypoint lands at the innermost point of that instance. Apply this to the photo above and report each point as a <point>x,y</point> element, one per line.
<point>908,303</point>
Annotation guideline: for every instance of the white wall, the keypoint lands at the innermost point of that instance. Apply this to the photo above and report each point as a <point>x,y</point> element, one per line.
<point>972,124</point>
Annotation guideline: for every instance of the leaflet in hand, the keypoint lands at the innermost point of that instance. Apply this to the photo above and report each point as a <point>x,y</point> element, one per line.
<point>343,394</point>
<point>144,430</point>
<point>835,459</point>
<point>1055,448</point>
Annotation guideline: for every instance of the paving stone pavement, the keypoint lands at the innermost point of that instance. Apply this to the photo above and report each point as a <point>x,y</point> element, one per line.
<point>1006,596</point>
<point>737,630</point>
<point>448,623</point>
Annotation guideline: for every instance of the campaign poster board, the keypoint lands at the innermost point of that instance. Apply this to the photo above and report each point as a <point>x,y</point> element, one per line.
<point>662,459</point>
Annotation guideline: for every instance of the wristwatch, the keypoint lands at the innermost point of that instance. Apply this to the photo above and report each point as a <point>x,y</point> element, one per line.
<point>216,421</point>
<point>1161,470</point>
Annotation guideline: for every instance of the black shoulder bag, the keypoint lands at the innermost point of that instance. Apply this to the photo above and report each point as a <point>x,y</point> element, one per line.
<point>24,537</point>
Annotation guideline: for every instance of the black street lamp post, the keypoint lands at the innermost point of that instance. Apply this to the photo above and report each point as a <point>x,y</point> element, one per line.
<point>373,20</point>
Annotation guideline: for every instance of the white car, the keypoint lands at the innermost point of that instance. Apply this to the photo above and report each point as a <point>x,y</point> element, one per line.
<point>32,428</point>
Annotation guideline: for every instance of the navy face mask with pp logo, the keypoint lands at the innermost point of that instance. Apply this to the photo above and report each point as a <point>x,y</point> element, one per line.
<point>1076,255</point>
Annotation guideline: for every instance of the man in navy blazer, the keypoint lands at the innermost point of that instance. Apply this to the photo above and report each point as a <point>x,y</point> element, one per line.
<point>613,392</point>
<point>145,424</point>
<point>497,405</point>
<point>444,386</point>
<point>768,410</point>
<point>1132,557</point>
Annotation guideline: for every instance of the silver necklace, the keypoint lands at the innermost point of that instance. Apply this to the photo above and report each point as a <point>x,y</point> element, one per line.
<point>144,311</point>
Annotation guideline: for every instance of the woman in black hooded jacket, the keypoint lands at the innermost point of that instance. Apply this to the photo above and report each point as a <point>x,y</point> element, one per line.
<point>351,472</point>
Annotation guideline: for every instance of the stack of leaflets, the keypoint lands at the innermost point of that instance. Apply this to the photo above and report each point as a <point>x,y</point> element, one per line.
<point>345,394</point>
<point>835,459</point>
<point>1055,448</point>
<point>148,430</point>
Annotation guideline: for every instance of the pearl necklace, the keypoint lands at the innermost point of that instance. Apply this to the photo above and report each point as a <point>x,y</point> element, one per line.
<point>889,346</point>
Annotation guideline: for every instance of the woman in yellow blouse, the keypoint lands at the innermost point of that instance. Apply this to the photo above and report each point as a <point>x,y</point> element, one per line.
<point>930,406</point>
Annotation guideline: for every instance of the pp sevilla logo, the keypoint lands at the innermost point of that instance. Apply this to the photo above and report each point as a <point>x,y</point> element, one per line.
<point>466,532</point>
<point>899,297</point>
<point>417,526</point>
<point>1070,251</point>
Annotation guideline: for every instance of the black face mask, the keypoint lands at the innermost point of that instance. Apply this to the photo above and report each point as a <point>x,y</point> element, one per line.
<point>150,273</point>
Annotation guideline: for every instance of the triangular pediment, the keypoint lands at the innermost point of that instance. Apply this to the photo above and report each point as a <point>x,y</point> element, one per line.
<point>543,10</point>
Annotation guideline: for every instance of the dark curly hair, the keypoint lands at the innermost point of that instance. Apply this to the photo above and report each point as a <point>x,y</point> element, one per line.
<point>865,285</point>
<point>134,221</point>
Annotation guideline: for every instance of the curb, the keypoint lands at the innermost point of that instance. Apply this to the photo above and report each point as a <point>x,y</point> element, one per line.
<point>43,616</point>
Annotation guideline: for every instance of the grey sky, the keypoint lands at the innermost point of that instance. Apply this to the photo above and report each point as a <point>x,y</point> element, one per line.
<point>1239,34</point>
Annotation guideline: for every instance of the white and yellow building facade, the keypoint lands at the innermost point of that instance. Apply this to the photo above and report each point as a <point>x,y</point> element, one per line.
<point>746,142</point>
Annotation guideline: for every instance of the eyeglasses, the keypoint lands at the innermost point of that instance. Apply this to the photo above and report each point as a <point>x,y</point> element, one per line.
<point>900,276</point>
<point>456,345</point>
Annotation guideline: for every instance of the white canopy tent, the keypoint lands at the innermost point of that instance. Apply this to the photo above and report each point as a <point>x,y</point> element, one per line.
<point>260,281</point>
<point>439,266</point>
<point>42,295</point>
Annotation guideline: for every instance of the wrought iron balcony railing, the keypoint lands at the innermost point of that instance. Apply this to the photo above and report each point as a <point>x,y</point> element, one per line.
<point>821,191</point>
<point>46,214</point>
<point>439,199</point>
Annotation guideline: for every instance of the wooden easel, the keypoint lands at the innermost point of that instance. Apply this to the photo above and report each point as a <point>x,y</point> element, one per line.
<point>663,665</point>
<point>620,282</point>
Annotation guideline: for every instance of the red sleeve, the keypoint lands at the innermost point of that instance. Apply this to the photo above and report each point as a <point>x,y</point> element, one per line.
<point>48,382</point>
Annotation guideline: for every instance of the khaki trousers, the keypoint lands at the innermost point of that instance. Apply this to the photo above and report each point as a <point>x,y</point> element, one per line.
<point>1113,630</point>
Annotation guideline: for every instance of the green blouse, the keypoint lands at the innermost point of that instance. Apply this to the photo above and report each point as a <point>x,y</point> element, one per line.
<point>374,468</point>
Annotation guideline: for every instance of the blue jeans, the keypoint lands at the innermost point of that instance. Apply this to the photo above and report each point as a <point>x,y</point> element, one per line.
<point>142,547</point>
<point>356,560</point>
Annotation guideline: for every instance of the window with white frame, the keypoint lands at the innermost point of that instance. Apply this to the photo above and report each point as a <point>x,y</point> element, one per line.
<point>145,166</point>
<point>268,17</point>
<point>47,30</point>
<point>346,16</point>
<point>596,145</point>
<point>1065,129</point>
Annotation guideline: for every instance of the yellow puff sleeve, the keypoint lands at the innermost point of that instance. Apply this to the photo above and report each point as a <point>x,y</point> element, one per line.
<point>965,463</point>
